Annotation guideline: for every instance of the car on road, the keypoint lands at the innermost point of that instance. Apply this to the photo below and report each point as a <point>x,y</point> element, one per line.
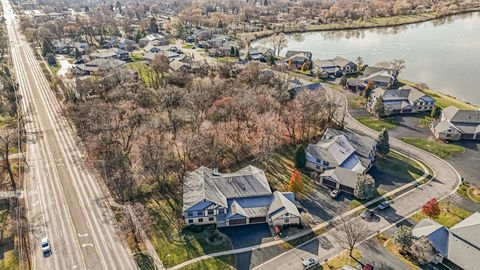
<point>383,205</point>
<point>45,246</point>
<point>334,193</point>
<point>310,263</point>
<point>368,214</point>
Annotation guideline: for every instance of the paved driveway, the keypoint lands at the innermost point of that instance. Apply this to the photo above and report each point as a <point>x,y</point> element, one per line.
<point>467,161</point>
<point>374,253</point>
<point>245,236</point>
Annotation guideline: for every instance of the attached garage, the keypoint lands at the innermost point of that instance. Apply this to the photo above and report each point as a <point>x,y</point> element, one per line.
<point>467,136</point>
<point>346,189</point>
<point>240,221</point>
<point>329,183</point>
<point>258,220</point>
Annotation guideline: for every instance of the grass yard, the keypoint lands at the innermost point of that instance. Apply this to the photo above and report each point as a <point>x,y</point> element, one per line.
<point>342,260</point>
<point>144,72</point>
<point>442,100</point>
<point>136,57</point>
<point>218,263</point>
<point>435,147</point>
<point>54,68</point>
<point>394,165</point>
<point>446,218</point>
<point>188,46</point>
<point>377,124</point>
<point>398,252</point>
<point>227,59</point>
<point>175,244</point>
<point>8,256</point>
<point>469,192</point>
<point>425,121</point>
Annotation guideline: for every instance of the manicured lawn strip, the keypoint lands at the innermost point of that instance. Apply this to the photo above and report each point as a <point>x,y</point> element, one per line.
<point>175,244</point>
<point>187,46</point>
<point>466,191</point>
<point>435,147</point>
<point>442,100</point>
<point>446,218</point>
<point>399,167</point>
<point>425,121</point>
<point>217,263</point>
<point>343,259</point>
<point>377,124</point>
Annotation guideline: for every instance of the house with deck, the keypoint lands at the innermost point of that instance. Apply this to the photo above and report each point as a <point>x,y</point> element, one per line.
<point>238,198</point>
<point>455,248</point>
<point>335,67</point>
<point>404,100</point>
<point>339,157</point>
<point>455,124</point>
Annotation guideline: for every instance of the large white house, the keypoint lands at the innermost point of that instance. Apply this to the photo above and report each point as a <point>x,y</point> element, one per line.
<point>242,197</point>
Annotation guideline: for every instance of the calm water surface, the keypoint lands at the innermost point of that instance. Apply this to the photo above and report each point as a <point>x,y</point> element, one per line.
<point>444,54</point>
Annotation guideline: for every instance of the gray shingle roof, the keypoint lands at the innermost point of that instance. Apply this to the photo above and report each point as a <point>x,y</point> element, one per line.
<point>281,205</point>
<point>201,185</point>
<point>454,114</point>
<point>343,176</point>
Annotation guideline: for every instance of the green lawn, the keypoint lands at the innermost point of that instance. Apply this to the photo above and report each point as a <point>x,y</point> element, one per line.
<point>144,72</point>
<point>467,191</point>
<point>175,244</point>
<point>377,124</point>
<point>435,147</point>
<point>136,57</point>
<point>446,218</point>
<point>425,121</point>
<point>218,263</point>
<point>54,69</point>
<point>397,166</point>
<point>188,46</point>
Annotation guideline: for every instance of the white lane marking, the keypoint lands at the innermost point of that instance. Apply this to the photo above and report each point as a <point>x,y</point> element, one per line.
<point>82,235</point>
<point>87,245</point>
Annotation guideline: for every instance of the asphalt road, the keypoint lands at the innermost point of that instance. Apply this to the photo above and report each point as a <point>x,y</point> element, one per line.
<point>445,181</point>
<point>64,202</point>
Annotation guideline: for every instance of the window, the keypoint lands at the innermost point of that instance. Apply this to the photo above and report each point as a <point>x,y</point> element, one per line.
<point>287,220</point>
<point>199,213</point>
<point>210,212</point>
<point>210,219</point>
<point>190,213</point>
<point>190,221</point>
<point>200,220</point>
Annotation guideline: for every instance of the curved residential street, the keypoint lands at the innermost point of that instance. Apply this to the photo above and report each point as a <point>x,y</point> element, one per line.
<point>64,202</point>
<point>445,181</point>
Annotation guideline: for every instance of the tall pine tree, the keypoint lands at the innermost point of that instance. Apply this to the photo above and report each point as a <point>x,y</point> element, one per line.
<point>300,158</point>
<point>383,146</point>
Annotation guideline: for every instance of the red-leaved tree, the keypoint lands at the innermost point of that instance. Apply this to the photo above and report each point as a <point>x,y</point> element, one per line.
<point>431,208</point>
<point>296,183</point>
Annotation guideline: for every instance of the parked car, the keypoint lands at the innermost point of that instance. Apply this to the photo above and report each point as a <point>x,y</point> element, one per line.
<point>368,267</point>
<point>310,263</point>
<point>368,214</point>
<point>334,193</point>
<point>45,246</point>
<point>383,205</point>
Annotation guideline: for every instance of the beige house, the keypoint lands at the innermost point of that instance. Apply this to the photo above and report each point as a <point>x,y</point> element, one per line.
<point>455,124</point>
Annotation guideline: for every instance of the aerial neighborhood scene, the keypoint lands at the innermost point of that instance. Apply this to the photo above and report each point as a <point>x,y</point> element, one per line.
<point>239,134</point>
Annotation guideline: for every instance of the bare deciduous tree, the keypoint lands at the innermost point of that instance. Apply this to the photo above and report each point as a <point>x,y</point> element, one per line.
<point>349,232</point>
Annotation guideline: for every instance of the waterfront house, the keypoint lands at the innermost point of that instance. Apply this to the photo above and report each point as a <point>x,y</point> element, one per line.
<point>306,54</point>
<point>339,157</point>
<point>455,248</point>
<point>401,101</point>
<point>335,67</point>
<point>455,124</point>
<point>238,198</point>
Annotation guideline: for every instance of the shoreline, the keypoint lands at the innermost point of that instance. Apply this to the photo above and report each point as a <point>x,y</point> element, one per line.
<point>417,18</point>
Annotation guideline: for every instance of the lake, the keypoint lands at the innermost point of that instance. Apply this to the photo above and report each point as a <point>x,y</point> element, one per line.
<point>444,53</point>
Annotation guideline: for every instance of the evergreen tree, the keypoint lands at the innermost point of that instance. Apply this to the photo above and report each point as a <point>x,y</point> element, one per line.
<point>343,81</point>
<point>379,107</point>
<point>383,146</point>
<point>364,187</point>
<point>47,47</point>
<point>153,27</point>
<point>232,51</point>
<point>300,158</point>
<point>237,53</point>
<point>436,111</point>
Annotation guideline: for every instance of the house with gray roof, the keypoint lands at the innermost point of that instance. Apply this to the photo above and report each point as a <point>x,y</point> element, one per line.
<point>335,67</point>
<point>401,101</point>
<point>339,157</point>
<point>455,124</point>
<point>238,198</point>
<point>97,66</point>
<point>457,247</point>
<point>113,53</point>
<point>380,77</point>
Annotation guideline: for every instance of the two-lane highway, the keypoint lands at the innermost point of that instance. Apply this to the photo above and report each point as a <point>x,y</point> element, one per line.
<point>64,201</point>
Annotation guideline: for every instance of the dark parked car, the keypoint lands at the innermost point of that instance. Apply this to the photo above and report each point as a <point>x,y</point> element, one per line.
<point>368,214</point>
<point>383,205</point>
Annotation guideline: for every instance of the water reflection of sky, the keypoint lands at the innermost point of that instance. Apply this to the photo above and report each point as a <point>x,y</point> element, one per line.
<point>444,54</point>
